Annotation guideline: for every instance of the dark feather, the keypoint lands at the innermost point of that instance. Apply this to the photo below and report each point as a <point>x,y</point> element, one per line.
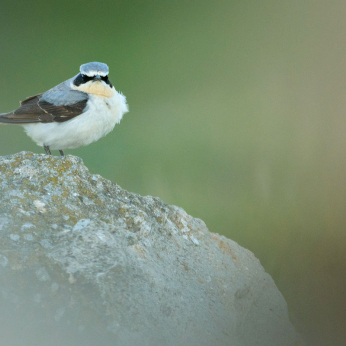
<point>34,110</point>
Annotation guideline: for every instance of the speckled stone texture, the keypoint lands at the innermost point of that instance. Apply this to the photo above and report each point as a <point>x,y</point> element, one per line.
<point>84,262</point>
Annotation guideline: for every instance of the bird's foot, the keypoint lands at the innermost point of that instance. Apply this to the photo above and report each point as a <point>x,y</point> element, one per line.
<point>47,150</point>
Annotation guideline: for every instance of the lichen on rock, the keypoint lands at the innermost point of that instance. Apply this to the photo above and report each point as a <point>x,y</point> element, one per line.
<point>86,260</point>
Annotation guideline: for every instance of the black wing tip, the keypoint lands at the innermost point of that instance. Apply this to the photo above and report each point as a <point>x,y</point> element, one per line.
<point>7,119</point>
<point>4,117</point>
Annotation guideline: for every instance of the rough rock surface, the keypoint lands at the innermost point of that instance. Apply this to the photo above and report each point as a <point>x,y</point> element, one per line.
<point>84,262</point>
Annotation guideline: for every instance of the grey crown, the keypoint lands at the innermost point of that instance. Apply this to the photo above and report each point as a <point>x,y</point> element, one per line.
<point>100,67</point>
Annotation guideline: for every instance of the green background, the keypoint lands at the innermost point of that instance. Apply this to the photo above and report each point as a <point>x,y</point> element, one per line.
<point>237,114</point>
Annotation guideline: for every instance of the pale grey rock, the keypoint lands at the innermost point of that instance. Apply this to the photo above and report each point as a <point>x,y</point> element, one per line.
<point>84,262</point>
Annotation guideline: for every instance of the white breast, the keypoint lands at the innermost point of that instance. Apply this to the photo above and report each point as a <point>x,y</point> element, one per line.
<point>99,118</point>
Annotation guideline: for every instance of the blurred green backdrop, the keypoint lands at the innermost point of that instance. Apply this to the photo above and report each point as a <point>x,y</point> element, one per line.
<point>237,114</point>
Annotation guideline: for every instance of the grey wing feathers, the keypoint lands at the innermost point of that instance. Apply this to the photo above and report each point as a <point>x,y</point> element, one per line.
<point>55,105</point>
<point>63,95</point>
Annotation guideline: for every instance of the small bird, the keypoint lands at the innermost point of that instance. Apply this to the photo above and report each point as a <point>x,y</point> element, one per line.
<point>76,112</point>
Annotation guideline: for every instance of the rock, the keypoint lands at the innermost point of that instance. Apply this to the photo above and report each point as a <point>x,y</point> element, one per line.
<point>84,262</point>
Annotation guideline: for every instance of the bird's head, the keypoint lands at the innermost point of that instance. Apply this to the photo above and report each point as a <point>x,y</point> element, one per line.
<point>93,79</point>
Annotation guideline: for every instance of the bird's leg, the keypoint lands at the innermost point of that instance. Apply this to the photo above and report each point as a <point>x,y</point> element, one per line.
<point>61,152</point>
<point>47,150</point>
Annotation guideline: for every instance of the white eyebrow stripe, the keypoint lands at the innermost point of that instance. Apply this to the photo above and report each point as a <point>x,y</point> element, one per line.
<point>94,73</point>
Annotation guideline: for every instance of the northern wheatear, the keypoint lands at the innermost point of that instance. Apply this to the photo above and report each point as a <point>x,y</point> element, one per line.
<point>76,112</point>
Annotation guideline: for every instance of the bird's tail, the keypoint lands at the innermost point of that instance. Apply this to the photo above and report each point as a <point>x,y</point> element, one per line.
<point>1,119</point>
<point>4,118</point>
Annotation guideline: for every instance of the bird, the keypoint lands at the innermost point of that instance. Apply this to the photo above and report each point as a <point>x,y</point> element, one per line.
<point>75,113</point>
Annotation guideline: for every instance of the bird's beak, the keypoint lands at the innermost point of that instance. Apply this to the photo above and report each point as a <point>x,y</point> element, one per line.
<point>97,77</point>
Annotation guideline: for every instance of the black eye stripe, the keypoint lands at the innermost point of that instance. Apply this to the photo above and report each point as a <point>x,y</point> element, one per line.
<point>82,78</point>
<point>78,80</point>
<point>106,80</point>
<point>86,78</point>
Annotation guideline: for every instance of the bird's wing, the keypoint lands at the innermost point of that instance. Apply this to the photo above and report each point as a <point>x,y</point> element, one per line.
<point>36,109</point>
